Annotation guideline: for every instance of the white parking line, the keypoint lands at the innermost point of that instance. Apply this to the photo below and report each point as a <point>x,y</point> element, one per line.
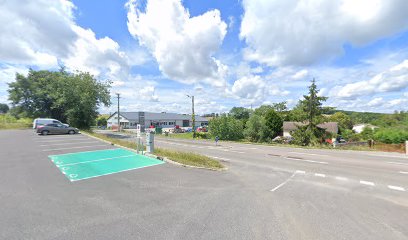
<point>57,144</point>
<point>396,188</point>
<point>305,160</point>
<point>96,160</point>
<point>56,149</point>
<point>64,140</point>
<point>320,175</point>
<point>367,183</point>
<point>342,178</point>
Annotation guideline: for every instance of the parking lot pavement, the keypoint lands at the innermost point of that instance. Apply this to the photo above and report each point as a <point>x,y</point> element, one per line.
<point>259,197</point>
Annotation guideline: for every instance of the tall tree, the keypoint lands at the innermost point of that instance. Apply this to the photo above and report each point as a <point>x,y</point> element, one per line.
<point>72,97</point>
<point>312,106</point>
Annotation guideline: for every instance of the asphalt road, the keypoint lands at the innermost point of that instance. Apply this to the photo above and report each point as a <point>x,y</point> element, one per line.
<point>266,193</point>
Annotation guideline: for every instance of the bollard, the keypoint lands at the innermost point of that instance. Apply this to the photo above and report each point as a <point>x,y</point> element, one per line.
<point>406,147</point>
<point>150,142</point>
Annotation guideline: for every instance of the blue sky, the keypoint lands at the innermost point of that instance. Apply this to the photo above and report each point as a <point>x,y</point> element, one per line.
<point>226,53</point>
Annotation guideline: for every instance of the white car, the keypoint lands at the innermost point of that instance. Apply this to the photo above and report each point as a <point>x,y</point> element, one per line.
<point>43,121</point>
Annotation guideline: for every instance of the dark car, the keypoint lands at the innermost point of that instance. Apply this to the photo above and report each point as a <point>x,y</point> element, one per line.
<point>56,128</point>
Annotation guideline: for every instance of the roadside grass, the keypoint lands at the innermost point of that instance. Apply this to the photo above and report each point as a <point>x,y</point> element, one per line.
<point>186,158</point>
<point>10,122</point>
<point>188,135</point>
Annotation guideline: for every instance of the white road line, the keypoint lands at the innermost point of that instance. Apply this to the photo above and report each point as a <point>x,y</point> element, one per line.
<point>96,160</point>
<point>56,149</point>
<point>342,178</point>
<point>66,143</point>
<point>221,158</point>
<point>311,154</point>
<point>305,160</point>
<point>367,183</point>
<point>403,172</point>
<point>390,156</point>
<point>396,188</point>
<point>320,175</point>
<point>283,183</point>
<point>398,163</point>
<point>300,172</point>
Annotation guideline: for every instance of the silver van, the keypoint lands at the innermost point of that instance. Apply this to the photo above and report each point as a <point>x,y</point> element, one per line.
<point>43,121</point>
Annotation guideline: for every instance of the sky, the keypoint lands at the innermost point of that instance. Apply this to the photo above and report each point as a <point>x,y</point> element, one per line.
<point>228,53</point>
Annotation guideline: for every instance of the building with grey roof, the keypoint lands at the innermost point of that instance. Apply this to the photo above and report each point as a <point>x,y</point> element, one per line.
<point>331,127</point>
<point>129,120</point>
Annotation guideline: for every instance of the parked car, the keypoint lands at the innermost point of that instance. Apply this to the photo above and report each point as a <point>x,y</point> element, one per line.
<point>56,128</point>
<point>43,121</point>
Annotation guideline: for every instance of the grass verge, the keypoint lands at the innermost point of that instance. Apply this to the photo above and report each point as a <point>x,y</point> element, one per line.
<point>185,158</point>
<point>188,158</point>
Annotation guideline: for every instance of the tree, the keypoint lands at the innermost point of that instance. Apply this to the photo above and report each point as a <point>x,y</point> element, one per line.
<point>343,120</point>
<point>240,113</point>
<point>4,108</point>
<point>262,110</point>
<point>273,125</point>
<point>367,133</point>
<point>101,121</point>
<point>280,107</point>
<point>312,106</point>
<point>254,128</point>
<point>68,97</point>
<point>226,128</point>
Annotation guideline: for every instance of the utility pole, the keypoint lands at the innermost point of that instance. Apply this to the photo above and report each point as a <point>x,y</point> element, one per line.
<point>192,115</point>
<point>118,94</point>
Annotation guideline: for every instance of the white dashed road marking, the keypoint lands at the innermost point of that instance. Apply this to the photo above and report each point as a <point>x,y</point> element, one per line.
<point>341,178</point>
<point>300,172</point>
<point>303,160</point>
<point>311,154</point>
<point>396,188</point>
<point>403,172</point>
<point>320,175</point>
<point>367,183</point>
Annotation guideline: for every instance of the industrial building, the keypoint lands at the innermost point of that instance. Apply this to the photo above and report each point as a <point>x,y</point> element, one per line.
<point>129,120</point>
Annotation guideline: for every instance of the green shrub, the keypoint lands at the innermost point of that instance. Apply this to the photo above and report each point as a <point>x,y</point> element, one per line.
<point>226,128</point>
<point>391,135</point>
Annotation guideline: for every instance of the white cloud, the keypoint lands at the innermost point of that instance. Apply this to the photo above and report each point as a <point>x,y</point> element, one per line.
<point>251,87</point>
<point>391,80</point>
<point>375,102</point>
<point>303,32</point>
<point>183,46</point>
<point>148,93</point>
<point>97,56</point>
<point>43,33</point>
<point>300,74</point>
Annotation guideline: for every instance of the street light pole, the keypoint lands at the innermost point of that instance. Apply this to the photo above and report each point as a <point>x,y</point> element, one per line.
<point>192,115</point>
<point>118,94</point>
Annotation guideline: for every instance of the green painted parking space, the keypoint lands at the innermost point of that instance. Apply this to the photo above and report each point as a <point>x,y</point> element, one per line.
<point>85,165</point>
<point>72,158</point>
